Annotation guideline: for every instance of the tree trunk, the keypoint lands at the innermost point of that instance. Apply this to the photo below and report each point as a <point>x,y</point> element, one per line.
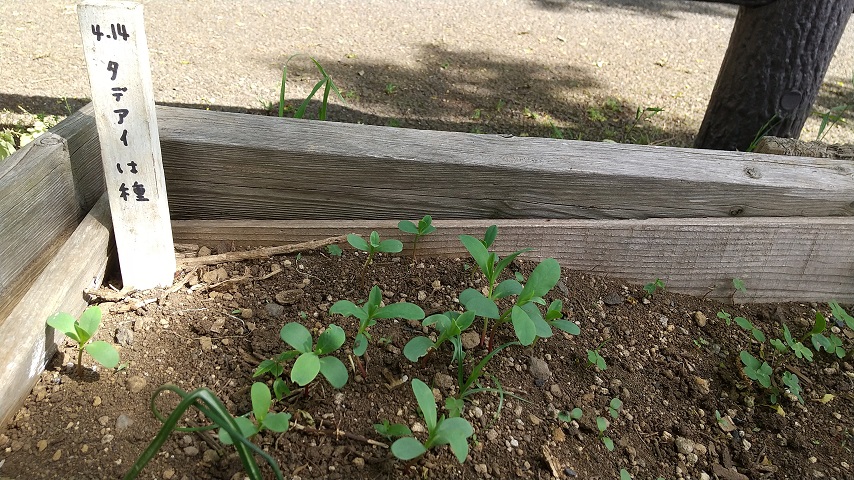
<point>774,65</point>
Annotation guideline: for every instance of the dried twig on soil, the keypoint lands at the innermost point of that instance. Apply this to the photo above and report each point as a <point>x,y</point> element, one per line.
<point>337,433</point>
<point>259,252</point>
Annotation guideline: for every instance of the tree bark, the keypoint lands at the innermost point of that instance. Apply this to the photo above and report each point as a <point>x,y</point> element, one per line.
<point>774,65</point>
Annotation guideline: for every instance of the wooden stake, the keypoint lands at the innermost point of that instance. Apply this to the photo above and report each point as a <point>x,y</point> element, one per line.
<point>116,52</point>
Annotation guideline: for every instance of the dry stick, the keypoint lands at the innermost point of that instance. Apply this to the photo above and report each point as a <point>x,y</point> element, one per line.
<point>259,253</point>
<point>338,434</point>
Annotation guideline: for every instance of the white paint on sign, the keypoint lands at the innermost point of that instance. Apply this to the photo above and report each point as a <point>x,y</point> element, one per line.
<point>116,52</point>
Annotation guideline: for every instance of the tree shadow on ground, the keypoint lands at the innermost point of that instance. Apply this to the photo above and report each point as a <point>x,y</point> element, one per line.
<point>659,8</point>
<point>480,92</point>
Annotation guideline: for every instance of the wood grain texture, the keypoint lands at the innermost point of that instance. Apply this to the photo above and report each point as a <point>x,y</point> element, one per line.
<point>232,166</point>
<point>79,131</point>
<point>38,210</point>
<point>779,259</point>
<point>25,342</point>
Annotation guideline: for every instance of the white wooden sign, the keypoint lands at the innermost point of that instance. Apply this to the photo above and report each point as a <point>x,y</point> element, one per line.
<point>120,77</point>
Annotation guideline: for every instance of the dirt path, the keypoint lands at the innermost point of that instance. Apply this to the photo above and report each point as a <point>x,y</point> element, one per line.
<point>577,69</point>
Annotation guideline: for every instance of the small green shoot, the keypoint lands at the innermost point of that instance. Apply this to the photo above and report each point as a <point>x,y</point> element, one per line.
<point>370,312</point>
<point>311,359</point>
<point>602,423</point>
<point>652,288</point>
<point>211,406</point>
<point>595,358</point>
<point>423,228</point>
<point>264,419</point>
<point>390,88</point>
<point>325,82</point>
<point>373,245</point>
<point>334,250</point>
<point>81,332</point>
<point>454,431</point>
<point>767,127</point>
<point>574,414</point>
<point>392,430</point>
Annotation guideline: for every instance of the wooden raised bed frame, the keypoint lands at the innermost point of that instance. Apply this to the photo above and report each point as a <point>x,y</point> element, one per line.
<point>694,218</point>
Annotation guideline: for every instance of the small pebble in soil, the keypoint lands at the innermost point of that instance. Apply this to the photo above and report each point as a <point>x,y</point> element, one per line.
<point>123,422</point>
<point>135,384</point>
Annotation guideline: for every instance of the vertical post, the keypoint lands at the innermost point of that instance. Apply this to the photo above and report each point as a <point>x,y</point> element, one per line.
<point>116,53</point>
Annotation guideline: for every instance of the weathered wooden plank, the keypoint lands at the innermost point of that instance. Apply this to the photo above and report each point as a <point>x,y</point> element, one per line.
<point>25,343</point>
<point>233,166</point>
<point>38,210</point>
<point>79,130</point>
<point>780,259</point>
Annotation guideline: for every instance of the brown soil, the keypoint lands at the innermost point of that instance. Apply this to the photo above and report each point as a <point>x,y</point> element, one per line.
<point>670,360</point>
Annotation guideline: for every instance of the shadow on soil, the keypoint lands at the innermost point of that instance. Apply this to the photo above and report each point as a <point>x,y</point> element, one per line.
<point>660,8</point>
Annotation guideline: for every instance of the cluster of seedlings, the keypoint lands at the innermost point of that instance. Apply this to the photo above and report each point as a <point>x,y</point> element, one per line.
<point>509,302</point>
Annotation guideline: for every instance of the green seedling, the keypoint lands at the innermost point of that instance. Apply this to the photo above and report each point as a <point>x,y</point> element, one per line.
<point>830,343</point>
<point>841,315</point>
<point>334,250</point>
<point>603,423</point>
<point>370,312</point>
<point>311,360</point>
<point>81,332</point>
<point>761,371</point>
<point>453,431</point>
<point>392,430</point>
<point>264,419</point>
<point>766,127</point>
<point>524,314</point>
<point>832,117</point>
<point>574,414</point>
<point>424,227</point>
<point>449,326</point>
<point>211,407</point>
<point>373,245</point>
<point>596,359</point>
<point>747,325</point>
<point>725,317</point>
<point>652,288</point>
<point>390,88</point>
<point>738,286</point>
<point>325,82</point>
<point>641,115</point>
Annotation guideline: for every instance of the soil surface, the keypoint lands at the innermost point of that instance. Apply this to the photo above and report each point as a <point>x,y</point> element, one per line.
<point>578,69</point>
<point>688,410</point>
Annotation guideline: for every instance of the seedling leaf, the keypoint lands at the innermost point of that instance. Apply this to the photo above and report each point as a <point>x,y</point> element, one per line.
<point>103,353</point>
<point>475,301</point>
<point>407,448</point>
<point>89,321</point>
<point>305,369</point>
<point>297,336</point>
<point>526,330</point>
<point>277,421</point>
<point>357,242</point>
<point>417,348</point>
<point>330,340</point>
<point>426,402</point>
<point>65,324</point>
<point>261,400</point>
<point>334,371</point>
<point>544,277</point>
